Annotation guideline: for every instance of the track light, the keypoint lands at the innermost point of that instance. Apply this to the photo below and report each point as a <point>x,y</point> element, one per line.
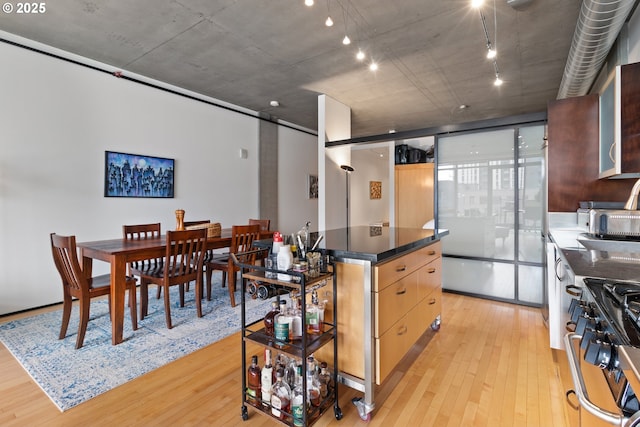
<point>328,22</point>
<point>491,52</point>
<point>476,3</point>
<point>497,81</point>
<point>346,40</point>
<point>308,2</point>
<point>360,55</point>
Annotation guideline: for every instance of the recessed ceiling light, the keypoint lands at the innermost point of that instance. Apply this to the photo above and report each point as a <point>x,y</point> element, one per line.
<point>463,107</point>
<point>360,55</point>
<point>475,3</point>
<point>274,103</point>
<point>497,81</point>
<point>308,2</point>
<point>373,66</point>
<point>346,40</point>
<point>328,22</point>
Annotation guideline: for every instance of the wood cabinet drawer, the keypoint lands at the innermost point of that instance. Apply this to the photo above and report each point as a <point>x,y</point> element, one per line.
<point>392,271</point>
<point>395,301</point>
<point>391,347</point>
<point>429,278</point>
<point>429,308</point>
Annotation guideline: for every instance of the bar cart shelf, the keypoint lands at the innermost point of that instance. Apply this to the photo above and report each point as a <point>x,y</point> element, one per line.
<point>301,348</point>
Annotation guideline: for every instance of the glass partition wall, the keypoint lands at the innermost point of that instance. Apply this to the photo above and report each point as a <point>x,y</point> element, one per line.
<point>490,185</point>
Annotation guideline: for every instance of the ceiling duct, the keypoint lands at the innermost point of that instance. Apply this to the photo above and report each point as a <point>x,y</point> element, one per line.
<point>599,24</point>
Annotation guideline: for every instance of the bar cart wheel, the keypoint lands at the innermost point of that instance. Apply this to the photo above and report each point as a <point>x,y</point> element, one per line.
<point>435,326</point>
<point>245,413</point>
<point>338,412</point>
<point>362,410</point>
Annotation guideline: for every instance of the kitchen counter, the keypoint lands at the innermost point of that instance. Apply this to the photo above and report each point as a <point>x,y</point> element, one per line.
<point>377,244</point>
<point>587,263</point>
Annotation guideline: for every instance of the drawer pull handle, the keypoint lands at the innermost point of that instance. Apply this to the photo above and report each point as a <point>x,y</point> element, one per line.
<point>402,330</point>
<point>573,290</point>
<point>399,269</point>
<point>431,253</point>
<point>432,301</point>
<point>431,270</point>
<point>402,292</point>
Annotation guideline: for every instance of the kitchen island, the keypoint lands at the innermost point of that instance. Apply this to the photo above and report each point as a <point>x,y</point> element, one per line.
<point>388,295</point>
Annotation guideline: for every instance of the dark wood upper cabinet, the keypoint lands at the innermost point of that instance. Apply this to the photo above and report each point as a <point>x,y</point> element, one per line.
<point>572,156</point>
<point>630,118</point>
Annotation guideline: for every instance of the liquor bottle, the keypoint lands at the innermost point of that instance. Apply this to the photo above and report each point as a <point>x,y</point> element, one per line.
<point>325,380</point>
<point>280,397</point>
<point>314,318</point>
<point>282,324</point>
<point>313,385</point>
<point>295,312</point>
<point>290,372</point>
<point>269,318</point>
<point>253,381</point>
<point>266,378</point>
<point>297,400</point>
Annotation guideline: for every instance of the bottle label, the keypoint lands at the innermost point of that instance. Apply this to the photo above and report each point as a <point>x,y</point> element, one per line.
<point>296,411</point>
<point>282,332</point>
<point>276,405</point>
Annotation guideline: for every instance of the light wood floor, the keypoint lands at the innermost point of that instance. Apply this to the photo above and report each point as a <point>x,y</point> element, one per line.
<point>489,365</point>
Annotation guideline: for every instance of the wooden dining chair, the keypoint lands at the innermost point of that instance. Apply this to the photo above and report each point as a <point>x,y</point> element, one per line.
<point>75,284</point>
<point>263,223</point>
<point>264,227</point>
<point>183,263</point>
<point>242,237</point>
<point>138,232</point>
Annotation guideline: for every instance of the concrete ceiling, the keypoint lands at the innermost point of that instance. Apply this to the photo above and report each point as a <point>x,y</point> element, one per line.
<point>431,53</point>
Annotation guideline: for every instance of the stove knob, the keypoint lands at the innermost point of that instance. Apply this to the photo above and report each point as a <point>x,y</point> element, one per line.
<point>576,308</point>
<point>588,335</point>
<point>598,353</point>
<point>585,322</point>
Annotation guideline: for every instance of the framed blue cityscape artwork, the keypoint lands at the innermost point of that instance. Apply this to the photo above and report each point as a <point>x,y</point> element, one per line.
<point>135,175</point>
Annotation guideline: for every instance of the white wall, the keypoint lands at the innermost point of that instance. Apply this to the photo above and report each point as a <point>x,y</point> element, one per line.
<point>297,158</point>
<point>370,166</point>
<point>56,121</point>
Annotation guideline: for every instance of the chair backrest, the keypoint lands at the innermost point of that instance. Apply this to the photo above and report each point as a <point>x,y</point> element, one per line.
<point>185,255</point>
<point>263,223</point>
<point>65,257</point>
<point>141,231</point>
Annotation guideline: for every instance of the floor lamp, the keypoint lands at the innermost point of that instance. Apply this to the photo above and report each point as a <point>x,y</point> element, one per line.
<point>347,169</point>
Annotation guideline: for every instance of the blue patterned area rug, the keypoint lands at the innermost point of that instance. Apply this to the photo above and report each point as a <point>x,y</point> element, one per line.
<point>70,377</point>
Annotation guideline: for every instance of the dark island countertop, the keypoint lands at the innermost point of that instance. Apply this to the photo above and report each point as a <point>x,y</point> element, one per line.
<point>371,243</point>
<point>377,244</point>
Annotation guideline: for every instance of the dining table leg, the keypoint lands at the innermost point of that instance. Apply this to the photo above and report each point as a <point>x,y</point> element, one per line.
<point>118,289</point>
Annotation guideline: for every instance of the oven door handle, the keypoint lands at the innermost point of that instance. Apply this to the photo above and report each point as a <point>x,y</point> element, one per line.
<point>580,389</point>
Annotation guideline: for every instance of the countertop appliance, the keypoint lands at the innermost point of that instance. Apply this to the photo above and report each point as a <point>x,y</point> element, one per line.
<point>604,352</point>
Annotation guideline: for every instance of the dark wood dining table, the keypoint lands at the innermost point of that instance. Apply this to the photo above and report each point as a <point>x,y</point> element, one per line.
<point>120,252</point>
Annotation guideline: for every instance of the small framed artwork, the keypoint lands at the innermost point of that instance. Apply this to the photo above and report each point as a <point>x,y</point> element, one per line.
<point>312,186</point>
<point>135,175</point>
<point>375,189</point>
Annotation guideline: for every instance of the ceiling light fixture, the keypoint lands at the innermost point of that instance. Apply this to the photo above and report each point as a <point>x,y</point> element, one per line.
<point>346,40</point>
<point>373,66</point>
<point>329,21</point>
<point>360,55</point>
<point>308,3</point>
<point>491,49</point>
<point>274,103</point>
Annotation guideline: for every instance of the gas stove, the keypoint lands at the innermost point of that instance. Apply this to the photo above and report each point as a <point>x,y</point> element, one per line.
<point>607,323</point>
